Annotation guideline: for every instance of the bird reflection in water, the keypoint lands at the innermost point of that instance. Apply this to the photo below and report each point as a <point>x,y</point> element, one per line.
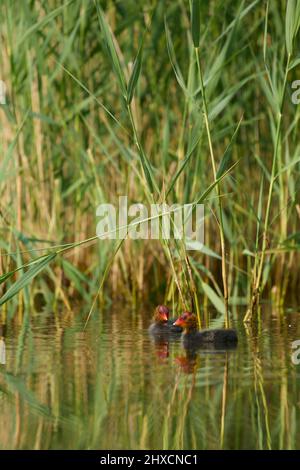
<point>161,349</point>
<point>187,363</point>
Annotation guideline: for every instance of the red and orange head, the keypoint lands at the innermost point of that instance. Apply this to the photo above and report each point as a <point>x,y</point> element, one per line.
<point>161,314</point>
<point>187,321</point>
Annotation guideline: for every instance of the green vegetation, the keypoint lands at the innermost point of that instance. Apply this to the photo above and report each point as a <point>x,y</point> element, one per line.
<point>164,101</point>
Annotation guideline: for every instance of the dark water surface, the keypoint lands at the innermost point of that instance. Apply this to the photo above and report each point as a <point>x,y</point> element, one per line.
<point>112,387</point>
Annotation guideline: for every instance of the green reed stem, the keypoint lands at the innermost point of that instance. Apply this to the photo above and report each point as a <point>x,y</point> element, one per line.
<point>213,163</point>
<point>257,283</point>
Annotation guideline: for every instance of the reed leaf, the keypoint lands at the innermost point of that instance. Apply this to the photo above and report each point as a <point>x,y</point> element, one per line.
<point>136,70</point>
<point>292,23</point>
<point>195,22</point>
<point>26,278</point>
<point>214,298</point>
<point>224,165</point>
<point>172,57</point>
<point>112,53</point>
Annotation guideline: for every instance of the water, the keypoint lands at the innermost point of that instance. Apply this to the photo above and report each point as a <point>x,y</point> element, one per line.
<point>112,387</point>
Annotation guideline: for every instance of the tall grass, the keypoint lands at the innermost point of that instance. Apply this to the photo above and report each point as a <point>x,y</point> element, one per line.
<point>165,102</point>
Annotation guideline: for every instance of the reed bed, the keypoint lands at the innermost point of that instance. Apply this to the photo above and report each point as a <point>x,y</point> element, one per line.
<point>162,101</point>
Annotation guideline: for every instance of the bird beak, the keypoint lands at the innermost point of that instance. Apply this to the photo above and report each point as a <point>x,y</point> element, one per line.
<point>164,317</point>
<point>178,322</point>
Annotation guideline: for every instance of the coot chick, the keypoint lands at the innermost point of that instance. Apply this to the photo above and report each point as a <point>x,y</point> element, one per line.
<point>192,338</point>
<point>161,324</point>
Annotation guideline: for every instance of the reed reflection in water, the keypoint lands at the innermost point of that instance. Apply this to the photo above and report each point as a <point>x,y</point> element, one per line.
<point>113,387</point>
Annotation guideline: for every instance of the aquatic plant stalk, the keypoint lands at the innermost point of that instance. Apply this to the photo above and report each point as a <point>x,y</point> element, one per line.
<point>257,281</point>
<point>213,163</point>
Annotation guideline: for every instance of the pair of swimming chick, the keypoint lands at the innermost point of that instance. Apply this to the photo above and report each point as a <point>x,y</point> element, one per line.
<point>187,325</point>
